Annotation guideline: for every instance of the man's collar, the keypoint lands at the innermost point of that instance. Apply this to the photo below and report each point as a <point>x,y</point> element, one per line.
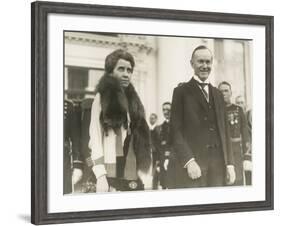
<point>151,127</point>
<point>167,120</point>
<point>196,78</point>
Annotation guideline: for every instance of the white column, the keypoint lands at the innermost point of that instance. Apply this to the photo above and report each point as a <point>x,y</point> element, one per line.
<point>248,74</point>
<point>65,78</point>
<point>174,54</point>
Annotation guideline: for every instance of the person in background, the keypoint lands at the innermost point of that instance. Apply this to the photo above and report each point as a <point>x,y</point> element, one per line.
<point>72,159</point>
<point>238,131</point>
<point>240,101</point>
<point>152,121</point>
<point>248,161</point>
<point>119,135</point>
<point>199,129</point>
<point>164,146</point>
<point>84,181</point>
<point>154,149</point>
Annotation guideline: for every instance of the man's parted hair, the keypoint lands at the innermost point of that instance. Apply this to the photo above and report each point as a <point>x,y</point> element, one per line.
<point>224,83</point>
<point>112,59</point>
<point>199,48</point>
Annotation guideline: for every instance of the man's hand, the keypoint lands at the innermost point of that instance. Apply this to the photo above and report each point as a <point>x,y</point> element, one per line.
<point>166,163</point>
<point>157,166</point>
<point>193,170</point>
<point>102,184</point>
<point>76,175</point>
<point>158,169</point>
<point>230,175</point>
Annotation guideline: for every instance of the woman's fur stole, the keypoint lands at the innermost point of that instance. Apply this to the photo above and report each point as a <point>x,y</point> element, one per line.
<point>115,103</point>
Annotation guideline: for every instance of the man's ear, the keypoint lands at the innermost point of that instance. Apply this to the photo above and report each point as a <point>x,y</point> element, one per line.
<point>191,63</point>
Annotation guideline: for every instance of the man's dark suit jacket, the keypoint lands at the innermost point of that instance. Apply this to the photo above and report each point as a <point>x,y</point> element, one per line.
<point>189,126</point>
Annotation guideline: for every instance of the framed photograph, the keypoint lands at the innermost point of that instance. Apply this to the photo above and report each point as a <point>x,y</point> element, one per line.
<point>141,112</point>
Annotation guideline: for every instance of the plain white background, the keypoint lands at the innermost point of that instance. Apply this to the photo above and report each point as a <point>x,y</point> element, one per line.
<point>15,111</point>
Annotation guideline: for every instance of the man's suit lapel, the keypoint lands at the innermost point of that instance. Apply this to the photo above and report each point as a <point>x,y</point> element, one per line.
<point>197,93</point>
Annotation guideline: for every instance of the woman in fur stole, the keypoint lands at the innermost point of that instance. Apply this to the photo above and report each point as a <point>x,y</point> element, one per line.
<point>119,134</point>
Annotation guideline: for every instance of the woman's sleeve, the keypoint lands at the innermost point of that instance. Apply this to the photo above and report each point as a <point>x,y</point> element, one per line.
<point>96,139</point>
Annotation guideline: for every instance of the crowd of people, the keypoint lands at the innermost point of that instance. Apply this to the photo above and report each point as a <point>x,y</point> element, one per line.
<point>204,141</point>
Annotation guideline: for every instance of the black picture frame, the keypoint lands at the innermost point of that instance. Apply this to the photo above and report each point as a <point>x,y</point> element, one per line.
<point>39,109</point>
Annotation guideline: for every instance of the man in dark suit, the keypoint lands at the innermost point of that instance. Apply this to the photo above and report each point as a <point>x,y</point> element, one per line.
<point>154,149</point>
<point>163,144</point>
<point>200,134</point>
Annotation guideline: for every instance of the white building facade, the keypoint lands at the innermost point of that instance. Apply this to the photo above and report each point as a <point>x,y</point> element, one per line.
<point>162,62</point>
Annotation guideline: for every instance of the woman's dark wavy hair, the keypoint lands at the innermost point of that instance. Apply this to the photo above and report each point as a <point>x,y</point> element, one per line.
<point>112,59</point>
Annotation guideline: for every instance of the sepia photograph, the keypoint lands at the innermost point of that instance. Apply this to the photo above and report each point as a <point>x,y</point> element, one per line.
<point>155,112</point>
<point>141,112</point>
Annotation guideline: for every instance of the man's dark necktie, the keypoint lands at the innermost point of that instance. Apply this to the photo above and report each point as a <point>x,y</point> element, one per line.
<point>203,85</point>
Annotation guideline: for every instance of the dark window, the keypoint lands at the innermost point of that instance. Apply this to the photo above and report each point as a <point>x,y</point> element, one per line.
<point>77,82</point>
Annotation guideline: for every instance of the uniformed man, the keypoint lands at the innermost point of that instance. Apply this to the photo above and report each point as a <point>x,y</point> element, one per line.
<point>238,131</point>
